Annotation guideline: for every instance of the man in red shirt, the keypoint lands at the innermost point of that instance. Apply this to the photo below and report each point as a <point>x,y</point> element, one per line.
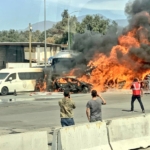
<point>137,92</point>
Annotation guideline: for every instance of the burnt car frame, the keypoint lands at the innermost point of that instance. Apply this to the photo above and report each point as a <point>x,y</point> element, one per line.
<point>70,83</point>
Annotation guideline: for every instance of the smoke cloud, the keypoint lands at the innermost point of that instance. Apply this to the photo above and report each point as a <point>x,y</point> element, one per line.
<point>90,43</point>
<point>137,6</point>
<point>138,13</point>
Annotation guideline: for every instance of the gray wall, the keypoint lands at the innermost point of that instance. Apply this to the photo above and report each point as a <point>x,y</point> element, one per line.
<point>15,54</point>
<point>11,54</point>
<point>2,56</point>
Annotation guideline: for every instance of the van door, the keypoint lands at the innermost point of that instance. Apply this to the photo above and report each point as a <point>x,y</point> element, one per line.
<point>11,82</point>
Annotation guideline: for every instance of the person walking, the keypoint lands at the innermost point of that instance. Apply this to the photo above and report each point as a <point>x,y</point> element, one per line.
<point>137,92</point>
<point>93,107</point>
<point>66,110</point>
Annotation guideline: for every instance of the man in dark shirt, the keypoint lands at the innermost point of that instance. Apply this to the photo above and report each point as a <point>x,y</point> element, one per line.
<point>93,107</point>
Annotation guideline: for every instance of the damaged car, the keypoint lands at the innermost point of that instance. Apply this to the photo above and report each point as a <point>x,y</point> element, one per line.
<point>70,83</point>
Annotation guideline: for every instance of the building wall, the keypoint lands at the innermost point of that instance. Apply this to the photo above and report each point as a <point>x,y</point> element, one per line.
<point>15,53</point>
<point>2,57</point>
<point>12,54</point>
<point>39,54</point>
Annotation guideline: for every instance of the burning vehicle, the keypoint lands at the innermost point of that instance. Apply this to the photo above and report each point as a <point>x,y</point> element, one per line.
<point>112,60</point>
<point>118,59</point>
<point>70,83</point>
<point>63,62</point>
<point>59,84</point>
<point>56,78</point>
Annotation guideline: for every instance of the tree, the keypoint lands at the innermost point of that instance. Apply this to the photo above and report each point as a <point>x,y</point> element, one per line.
<point>93,23</point>
<point>9,36</point>
<point>50,40</point>
<point>65,14</point>
<point>35,36</point>
<point>59,32</point>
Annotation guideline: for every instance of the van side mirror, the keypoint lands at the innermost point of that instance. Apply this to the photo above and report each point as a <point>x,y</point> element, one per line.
<point>10,78</point>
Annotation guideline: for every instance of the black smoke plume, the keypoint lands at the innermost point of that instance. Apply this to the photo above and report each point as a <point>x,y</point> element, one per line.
<point>90,43</point>
<point>138,12</point>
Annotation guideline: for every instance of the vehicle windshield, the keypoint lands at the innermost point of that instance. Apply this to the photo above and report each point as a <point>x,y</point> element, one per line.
<point>61,65</point>
<point>64,62</point>
<point>3,75</point>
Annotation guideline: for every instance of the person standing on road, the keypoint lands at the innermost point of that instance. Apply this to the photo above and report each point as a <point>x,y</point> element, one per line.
<point>93,107</point>
<point>137,92</point>
<point>66,110</point>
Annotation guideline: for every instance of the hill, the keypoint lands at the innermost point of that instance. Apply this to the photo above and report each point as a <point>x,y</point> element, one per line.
<point>40,25</point>
<point>49,24</point>
<point>122,22</point>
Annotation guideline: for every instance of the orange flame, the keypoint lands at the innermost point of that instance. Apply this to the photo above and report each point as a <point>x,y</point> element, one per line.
<point>113,69</point>
<point>41,86</point>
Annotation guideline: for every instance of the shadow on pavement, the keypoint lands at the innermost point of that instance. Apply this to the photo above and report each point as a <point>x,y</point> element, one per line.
<point>128,110</point>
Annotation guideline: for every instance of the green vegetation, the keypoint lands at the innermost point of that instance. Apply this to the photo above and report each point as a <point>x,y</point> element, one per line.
<point>59,32</point>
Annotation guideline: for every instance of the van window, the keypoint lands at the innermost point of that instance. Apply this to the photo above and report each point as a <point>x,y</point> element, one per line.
<point>13,75</point>
<point>3,75</point>
<point>30,75</point>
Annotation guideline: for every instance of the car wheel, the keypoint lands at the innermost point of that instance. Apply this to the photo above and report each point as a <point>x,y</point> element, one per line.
<point>4,91</point>
<point>85,90</point>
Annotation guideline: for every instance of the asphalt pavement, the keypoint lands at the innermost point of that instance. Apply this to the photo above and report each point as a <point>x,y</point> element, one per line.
<point>24,115</point>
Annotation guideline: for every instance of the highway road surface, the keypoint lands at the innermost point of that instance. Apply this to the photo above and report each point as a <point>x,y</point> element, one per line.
<point>23,112</point>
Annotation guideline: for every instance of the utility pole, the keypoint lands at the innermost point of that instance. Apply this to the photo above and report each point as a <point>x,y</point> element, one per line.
<point>30,36</point>
<point>45,51</point>
<point>68,33</point>
<point>69,28</point>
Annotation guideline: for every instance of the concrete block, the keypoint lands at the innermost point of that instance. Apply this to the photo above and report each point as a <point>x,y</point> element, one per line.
<point>24,141</point>
<point>130,133</point>
<point>91,136</point>
<point>55,139</point>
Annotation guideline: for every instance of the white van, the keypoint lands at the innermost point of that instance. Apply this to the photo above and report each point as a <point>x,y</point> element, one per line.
<point>23,79</point>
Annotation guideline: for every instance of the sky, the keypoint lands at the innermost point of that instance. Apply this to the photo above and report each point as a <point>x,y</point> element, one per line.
<point>17,14</point>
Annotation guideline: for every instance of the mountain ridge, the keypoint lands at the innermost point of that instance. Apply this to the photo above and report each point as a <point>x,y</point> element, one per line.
<point>49,24</point>
<point>40,25</point>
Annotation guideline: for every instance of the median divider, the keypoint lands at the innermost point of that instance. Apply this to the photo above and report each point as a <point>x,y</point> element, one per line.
<point>24,141</point>
<point>117,134</point>
<point>91,136</point>
<point>129,133</point>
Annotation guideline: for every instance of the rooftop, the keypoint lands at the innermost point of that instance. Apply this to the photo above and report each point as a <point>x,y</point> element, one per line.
<point>27,44</point>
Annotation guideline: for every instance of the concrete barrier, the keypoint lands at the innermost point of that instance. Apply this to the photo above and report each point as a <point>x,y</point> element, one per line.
<point>92,136</point>
<point>55,139</point>
<point>24,141</point>
<point>129,133</point>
